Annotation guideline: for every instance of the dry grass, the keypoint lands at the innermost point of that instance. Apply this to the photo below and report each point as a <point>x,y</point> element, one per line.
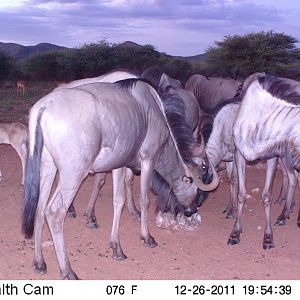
<point>14,105</point>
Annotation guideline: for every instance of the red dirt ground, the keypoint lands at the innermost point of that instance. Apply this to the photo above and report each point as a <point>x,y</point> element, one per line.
<point>202,254</point>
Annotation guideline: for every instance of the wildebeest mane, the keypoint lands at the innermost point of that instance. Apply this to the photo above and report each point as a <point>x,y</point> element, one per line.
<point>239,90</point>
<point>175,113</point>
<point>166,199</point>
<point>131,82</point>
<point>280,88</point>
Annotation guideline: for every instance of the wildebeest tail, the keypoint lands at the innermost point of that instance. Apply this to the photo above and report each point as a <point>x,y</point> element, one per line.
<point>32,178</point>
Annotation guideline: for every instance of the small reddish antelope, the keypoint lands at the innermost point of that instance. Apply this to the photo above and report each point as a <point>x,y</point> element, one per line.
<point>15,134</point>
<point>22,86</point>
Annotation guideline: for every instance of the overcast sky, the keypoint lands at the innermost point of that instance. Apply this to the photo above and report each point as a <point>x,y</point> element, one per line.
<point>177,27</point>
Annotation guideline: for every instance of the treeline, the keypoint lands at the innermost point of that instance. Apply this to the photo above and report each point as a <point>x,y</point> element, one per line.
<point>91,60</point>
<point>236,56</point>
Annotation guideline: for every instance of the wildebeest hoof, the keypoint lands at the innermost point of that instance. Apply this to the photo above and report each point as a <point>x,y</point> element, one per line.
<point>40,268</point>
<point>71,214</point>
<point>279,222</point>
<point>229,214</point>
<point>268,245</point>
<point>118,253</point>
<point>149,242</point>
<point>136,215</point>
<point>92,225</point>
<point>71,276</point>
<point>233,240</point>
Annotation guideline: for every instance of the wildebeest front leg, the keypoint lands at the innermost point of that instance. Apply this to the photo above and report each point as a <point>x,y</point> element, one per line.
<point>133,211</point>
<point>268,234</point>
<point>118,204</point>
<point>146,176</point>
<point>231,208</point>
<point>292,182</point>
<point>266,200</point>
<point>234,237</point>
<point>90,210</point>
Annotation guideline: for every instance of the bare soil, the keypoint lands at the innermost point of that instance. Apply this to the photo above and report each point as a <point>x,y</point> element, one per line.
<point>202,254</point>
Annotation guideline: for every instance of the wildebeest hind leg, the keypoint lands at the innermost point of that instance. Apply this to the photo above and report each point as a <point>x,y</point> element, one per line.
<point>292,182</point>
<point>133,211</point>
<point>56,212</point>
<point>71,213</point>
<point>47,174</point>
<point>90,210</point>
<point>118,204</point>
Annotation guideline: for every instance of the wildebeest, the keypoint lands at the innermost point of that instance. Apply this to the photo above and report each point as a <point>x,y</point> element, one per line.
<point>100,178</point>
<point>211,92</point>
<point>172,89</point>
<point>120,125</point>
<point>267,126</point>
<point>221,147</point>
<point>15,134</point>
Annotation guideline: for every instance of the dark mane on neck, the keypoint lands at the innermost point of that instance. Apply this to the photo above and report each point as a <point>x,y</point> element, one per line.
<point>166,199</point>
<point>182,132</point>
<point>282,88</point>
<point>131,82</point>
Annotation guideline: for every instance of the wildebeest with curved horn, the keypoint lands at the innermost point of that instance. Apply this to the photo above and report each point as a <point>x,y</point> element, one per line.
<point>211,92</point>
<point>120,125</point>
<point>171,89</point>
<point>267,126</point>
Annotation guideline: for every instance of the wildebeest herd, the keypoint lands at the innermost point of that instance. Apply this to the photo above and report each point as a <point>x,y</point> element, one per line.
<point>172,137</point>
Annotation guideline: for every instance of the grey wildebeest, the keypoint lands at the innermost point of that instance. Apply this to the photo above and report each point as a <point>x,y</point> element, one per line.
<point>100,178</point>
<point>120,125</point>
<point>267,126</point>
<point>221,147</point>
<point>211,92</point>
<point>172,89</point>
<point>15,134</point>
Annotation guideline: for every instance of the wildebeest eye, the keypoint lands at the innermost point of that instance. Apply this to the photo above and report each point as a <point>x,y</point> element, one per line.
<point>204,166</point>
<point>187,179</point>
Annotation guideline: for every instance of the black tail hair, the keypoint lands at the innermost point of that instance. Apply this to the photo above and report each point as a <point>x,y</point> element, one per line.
<point>32,181</point>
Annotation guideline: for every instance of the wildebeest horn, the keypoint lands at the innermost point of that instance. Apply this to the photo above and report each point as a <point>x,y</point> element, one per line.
<point>210,186</point>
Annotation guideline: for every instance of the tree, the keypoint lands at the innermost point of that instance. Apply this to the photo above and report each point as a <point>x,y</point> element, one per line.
<point>254,52</point>
<point>41,66</point>
<point>6,65</point>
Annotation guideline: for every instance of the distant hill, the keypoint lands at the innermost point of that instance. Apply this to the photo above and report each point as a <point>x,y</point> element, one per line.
<point>129,44</point>
<point>199,57</point>
<point>18,51</point>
